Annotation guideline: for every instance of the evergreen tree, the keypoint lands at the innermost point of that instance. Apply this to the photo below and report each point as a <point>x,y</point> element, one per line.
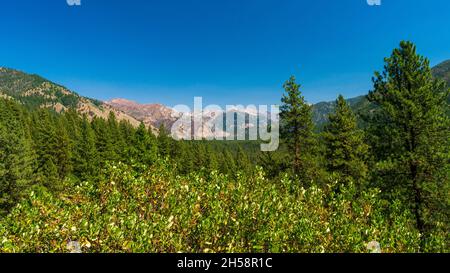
<point>46,142</point>
<point>411,133</point>
<point>48,172</point>
<point>62,150</point>
<point>346,151</point>
<point>212,163</point>
<point>297,126</point>
<point>104,140</point>
<point>87,159</point>
<point>16,156</point>
<point>144,146</point>
<point>127,132</point>
<point>164,141</point>
<point>117,139</point>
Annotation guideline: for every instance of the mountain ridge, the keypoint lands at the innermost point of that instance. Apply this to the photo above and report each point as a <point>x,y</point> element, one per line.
<point>361,104</point>
<point>35,91</point>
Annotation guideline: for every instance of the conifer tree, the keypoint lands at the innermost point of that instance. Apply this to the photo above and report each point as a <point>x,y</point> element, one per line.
<point>164,141</point>
<point>46,141</point>
<point>127,132</point>
<point>346,151</point>
<point>297,126</point>
<point>185,157</point>
<point>16,156</point>
<point>411,137</point>
<point>144,146</point>
<point>117,139</point>
<point>62,150</point>
<point>212,163</point>
<point>87,159</point>
<point>104,140</point>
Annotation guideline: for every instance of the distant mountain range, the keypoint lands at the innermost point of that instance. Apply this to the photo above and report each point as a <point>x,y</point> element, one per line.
<point>34,91</point>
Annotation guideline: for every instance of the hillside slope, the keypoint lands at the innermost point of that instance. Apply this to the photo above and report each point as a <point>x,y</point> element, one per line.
<point>362,105</point>
<point>442,71</point>
<point>153,115</point>
<point>34,91</point>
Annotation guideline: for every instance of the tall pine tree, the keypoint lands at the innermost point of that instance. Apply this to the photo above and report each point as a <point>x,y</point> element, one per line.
<point>298,128</point>
<point>16,156</point>
<point>411,137</point>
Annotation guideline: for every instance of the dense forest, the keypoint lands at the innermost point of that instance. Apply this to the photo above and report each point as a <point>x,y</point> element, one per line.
<point>376,175</point>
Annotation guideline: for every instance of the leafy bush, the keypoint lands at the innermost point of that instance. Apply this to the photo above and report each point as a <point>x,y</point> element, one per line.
<point>159,211</point>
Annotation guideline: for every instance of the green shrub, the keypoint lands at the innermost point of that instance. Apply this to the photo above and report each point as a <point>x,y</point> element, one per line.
<point>157,211</point>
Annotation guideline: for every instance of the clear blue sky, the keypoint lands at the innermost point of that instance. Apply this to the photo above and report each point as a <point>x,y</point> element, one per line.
<point>228,51</point>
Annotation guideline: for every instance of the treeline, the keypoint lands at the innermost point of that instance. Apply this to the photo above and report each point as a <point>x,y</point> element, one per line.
<point>44,148</point>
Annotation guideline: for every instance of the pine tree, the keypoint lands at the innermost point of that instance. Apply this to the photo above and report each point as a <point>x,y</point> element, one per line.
<point>16,156</point>
<point>164,142</point>
<point>346,151</point>
<point>72,123</point>
<point>411,136</point>
<point>104,140</point>
<point>212,163</point>
<point>144,146</point>
<point>127,132</point>
<point>48,171</point>
<point>297,126</point>
<point>63,148</point>
<point>46,141</point>
<point>184,160</point>
<point>86,165</point>
<point>117,139</point>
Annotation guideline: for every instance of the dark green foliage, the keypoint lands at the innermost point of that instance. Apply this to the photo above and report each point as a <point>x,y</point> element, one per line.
<point>144,148</point>
<point>346,151</point>
<point>53,149</point>
<point>86,159</point>
<point>243,163</point>
<point>410,138</point>
<point>165,142</point>
<point>104,139</point>
<point>16,156</point>
<point>297,126</point>
<point>297,132</point>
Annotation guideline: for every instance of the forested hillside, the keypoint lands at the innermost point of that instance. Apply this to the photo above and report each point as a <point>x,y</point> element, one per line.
<point>361,104</point>
<point>442,71</point>
<point>113,186</point>
<point>34,92</point>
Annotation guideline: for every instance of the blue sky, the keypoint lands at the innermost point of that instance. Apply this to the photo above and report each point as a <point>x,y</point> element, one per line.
<point>228,51</point>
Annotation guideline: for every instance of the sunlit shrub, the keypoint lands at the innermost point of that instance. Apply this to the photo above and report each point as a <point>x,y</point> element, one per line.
<point>157,211</point>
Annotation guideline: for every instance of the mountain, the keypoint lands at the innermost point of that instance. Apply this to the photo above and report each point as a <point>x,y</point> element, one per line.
<point>362,105</point>
<point>34,91</point>
<point>442,71</point>
<point>153,115</point>
<point>156,115</point>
